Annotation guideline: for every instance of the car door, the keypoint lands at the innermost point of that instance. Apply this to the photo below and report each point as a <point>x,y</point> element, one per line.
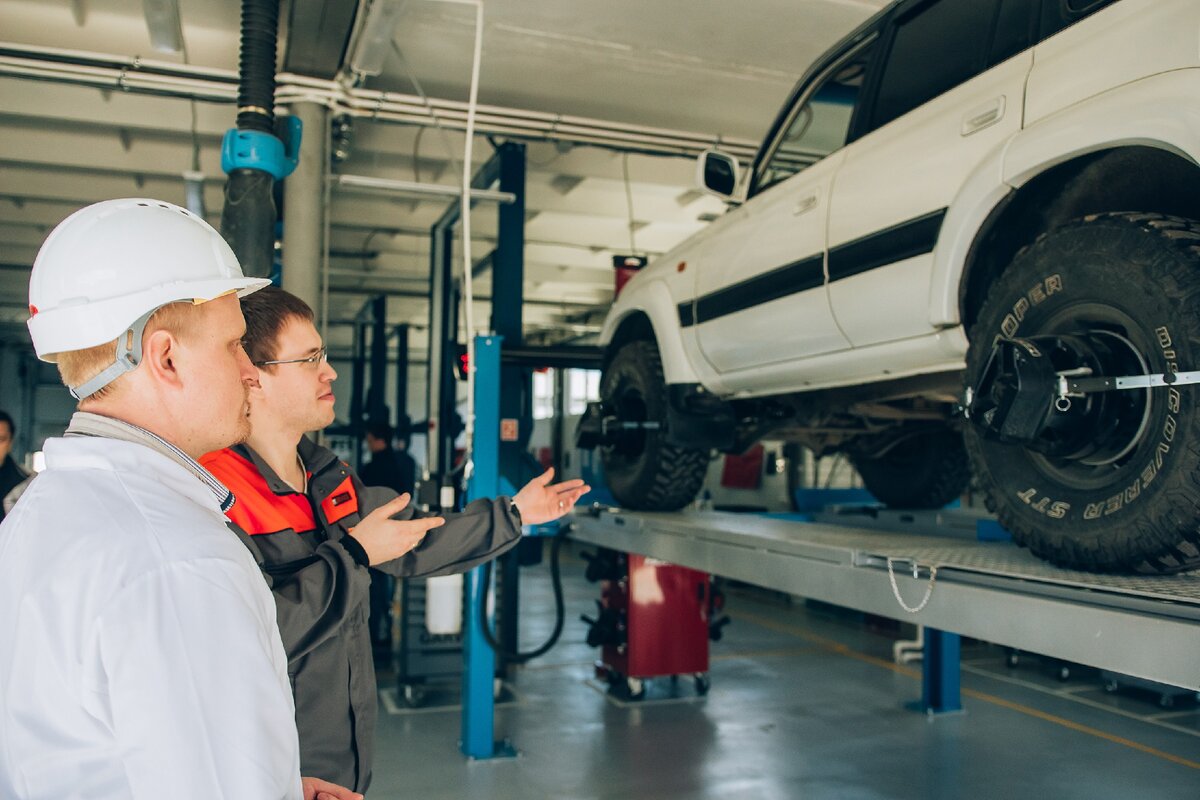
<point>938,112</point>
<point>767,302</point>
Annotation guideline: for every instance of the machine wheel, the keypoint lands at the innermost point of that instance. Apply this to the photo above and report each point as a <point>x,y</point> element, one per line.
<point>1111,482</point>
<point>702,683</point>
<point>643,471</point>
<point>926,469</point>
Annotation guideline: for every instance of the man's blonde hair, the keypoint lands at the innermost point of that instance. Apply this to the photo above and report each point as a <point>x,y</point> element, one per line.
<point>79,366</point>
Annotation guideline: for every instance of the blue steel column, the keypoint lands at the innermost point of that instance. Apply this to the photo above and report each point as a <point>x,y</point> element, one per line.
<point>940,672</point>
<point>478,701</point>
<point>508,303</point>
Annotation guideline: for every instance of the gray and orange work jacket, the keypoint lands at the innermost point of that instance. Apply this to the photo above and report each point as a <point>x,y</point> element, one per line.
<point>318,575</point>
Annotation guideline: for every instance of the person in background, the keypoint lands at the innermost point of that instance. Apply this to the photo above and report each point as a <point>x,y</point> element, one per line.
<point>301,512</point>
<point>390,467</point>
<point>12,474</point>
<point>394,469</point>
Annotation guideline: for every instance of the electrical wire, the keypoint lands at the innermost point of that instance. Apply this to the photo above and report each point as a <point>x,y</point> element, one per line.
<point>628,200</point>
<point>468,292</point>
<point>429,105</point>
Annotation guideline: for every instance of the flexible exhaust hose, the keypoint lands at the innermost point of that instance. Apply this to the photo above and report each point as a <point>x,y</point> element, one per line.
<point>248,217</point>
<point>256,66</point>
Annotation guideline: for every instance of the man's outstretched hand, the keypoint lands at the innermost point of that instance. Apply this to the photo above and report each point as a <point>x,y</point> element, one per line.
<point>539,501</point>
<point>317,789</point>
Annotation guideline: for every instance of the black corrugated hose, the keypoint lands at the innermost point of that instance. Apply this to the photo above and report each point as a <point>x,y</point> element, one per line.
<point>249,215</point>
<point>256,66</point>
<point>559,607</point>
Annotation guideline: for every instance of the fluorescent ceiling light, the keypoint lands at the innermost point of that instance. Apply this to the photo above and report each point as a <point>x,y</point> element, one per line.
<point>375,39</point>
<point>162,20</point>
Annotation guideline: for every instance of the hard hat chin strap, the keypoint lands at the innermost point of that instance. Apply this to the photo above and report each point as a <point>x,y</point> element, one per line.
<point>129,355</point>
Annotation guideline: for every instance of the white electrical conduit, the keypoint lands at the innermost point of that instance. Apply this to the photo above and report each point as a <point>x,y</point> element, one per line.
<point>465,206</point>
<point>142,76</point>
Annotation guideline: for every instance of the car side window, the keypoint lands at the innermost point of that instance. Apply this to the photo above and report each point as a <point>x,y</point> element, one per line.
<point>821,123</point>
<point>936,46</point>
<point>1016,29</point>
<point>1060,14</point>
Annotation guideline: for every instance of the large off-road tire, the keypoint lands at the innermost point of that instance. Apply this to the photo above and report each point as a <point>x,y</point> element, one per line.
<point>644,472</point>
<point>1119,487</point>
<point>924,470</point>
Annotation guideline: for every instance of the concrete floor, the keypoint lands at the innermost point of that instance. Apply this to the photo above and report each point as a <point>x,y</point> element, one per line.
<point>805,703</point>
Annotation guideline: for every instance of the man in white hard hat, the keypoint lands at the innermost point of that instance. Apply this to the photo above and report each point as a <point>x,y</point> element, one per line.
<point>139,654</point>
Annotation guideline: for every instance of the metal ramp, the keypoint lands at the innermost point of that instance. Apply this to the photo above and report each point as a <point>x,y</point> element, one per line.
<point>1146,627</point>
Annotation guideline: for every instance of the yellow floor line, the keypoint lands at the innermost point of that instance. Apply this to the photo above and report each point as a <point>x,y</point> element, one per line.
<point>834,646</point>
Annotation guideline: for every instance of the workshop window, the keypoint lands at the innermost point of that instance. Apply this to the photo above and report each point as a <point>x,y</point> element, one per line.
<point>582,386</point>
<point>543,394</point>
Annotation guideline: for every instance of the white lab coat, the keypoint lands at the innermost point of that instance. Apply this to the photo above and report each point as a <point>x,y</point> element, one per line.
<point>139,655</point>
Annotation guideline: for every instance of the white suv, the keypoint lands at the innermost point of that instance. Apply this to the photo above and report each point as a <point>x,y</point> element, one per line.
<point>996,195</point>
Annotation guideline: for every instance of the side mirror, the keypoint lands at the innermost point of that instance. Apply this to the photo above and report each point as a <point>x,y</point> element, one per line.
<point>717,173</point>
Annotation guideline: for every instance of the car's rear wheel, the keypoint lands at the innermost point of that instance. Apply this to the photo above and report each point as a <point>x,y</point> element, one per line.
<point>643,470</point>
<point>1111,482</point>
<point>925,469</point>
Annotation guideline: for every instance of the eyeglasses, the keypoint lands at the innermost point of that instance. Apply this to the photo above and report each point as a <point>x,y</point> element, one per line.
<point>319,357</point>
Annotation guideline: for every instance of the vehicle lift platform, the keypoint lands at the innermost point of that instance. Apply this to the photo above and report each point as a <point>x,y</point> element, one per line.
<point>1143,626</point>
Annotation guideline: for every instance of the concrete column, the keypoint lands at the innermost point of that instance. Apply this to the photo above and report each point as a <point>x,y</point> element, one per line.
<point>303,212</point>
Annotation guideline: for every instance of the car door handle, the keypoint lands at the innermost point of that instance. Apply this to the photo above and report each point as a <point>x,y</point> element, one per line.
<point>980,118</point>
<point>805,205</point>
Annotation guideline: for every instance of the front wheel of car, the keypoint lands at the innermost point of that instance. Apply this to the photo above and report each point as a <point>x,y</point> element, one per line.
<point>1112,480</point>
<point>643,470</point>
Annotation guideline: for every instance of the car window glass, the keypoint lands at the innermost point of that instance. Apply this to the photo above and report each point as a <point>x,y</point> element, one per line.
<point>1016,25</point>
<point>937,46</point>
<point>1059,14</point>
<point>822,124</point>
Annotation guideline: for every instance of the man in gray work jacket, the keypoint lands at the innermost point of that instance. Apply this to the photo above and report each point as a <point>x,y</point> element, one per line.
<point>307,519</point>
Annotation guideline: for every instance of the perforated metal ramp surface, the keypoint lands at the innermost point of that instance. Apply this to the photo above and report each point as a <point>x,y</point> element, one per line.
<point>1145,626</point>
<point>1007,560</point>
<point>1002,559</point>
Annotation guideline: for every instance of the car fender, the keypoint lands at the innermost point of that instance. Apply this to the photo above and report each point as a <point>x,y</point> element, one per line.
<point>653,298</point>
<point>1158,111</point>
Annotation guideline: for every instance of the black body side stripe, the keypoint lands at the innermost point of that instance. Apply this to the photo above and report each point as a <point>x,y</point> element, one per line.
<point>908,239</point>
<point>913,238</point>
<point>799,276</point>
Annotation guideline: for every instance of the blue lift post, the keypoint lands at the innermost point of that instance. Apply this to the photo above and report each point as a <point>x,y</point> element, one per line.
<point>478,699</point>
<point>940,673</point>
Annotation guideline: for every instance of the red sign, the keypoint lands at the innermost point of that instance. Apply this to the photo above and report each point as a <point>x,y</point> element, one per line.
<point>508,430</point>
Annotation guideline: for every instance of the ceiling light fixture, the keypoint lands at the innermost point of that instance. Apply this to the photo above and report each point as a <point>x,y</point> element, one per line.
<point>162,20</point>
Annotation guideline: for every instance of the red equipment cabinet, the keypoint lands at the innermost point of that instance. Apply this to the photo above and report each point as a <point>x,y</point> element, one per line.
<point>654,621</point>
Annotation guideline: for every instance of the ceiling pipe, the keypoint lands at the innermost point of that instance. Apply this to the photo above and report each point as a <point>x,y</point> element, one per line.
<point>140,76</point>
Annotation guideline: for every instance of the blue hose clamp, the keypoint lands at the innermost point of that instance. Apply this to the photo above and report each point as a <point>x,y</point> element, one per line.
<point>263,151</point>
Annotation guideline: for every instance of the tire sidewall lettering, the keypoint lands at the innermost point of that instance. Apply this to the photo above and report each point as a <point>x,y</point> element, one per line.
<point>1043,500</point>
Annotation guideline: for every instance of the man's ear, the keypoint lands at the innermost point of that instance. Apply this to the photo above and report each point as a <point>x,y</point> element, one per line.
<point>160,351</point>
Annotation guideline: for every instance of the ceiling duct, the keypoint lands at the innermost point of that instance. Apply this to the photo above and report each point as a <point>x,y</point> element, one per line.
<point>317,34</point>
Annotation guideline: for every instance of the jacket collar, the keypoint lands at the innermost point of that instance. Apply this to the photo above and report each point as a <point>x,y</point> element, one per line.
<point>84,423</point>
<point>314,457</point>
<point>114,455</point>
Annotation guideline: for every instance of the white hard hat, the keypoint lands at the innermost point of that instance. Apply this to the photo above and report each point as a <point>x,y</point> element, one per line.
<point>112,264</point>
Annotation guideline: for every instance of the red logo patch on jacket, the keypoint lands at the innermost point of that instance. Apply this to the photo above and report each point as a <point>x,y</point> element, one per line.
<point>341,502</point>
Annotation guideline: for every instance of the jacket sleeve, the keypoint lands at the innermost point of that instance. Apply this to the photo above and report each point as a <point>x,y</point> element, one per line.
<point>193,678</point>
<point>480,532</point>
<point>313,601</point>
